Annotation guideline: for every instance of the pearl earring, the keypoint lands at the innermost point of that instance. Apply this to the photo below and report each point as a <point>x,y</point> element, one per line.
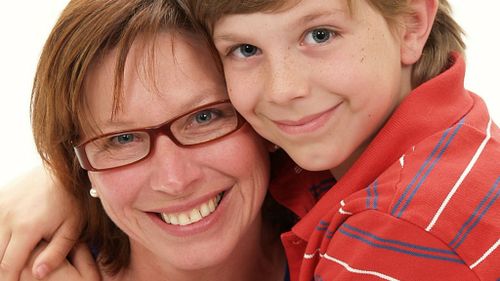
<point>93,193</point>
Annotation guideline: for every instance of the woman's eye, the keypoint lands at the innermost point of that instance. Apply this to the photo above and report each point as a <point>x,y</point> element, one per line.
<point>318,36</point>
<point>203,116</point>
<point>123,139</point>
<point>245,51</point>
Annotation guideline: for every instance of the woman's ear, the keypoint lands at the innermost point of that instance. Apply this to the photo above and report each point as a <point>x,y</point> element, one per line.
<point>416,29</point>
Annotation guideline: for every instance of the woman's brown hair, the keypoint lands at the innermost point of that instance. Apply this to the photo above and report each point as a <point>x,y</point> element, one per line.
<point>86,30</point>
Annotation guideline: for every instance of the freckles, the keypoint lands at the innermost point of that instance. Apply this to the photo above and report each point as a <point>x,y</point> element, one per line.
<point>363,55</point>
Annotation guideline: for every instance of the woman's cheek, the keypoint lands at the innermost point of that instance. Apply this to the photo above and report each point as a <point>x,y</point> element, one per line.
<point>115,188</point>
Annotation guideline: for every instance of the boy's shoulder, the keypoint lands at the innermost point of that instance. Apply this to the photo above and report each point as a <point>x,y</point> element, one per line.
<point>449,184</point>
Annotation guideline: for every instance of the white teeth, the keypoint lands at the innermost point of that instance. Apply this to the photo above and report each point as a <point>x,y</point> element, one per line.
<point>194,215</point>
<point>204,210</point>
<point>173,219</point>
<point>183,219</point>
<point>211,205</point>
<point>165,217</point>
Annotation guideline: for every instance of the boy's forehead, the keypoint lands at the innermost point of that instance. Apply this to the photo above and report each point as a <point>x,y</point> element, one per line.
<point>306,9</point>
<point>243,7</point>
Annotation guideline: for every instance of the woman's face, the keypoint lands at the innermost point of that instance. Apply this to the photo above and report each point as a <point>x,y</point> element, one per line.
<point>175,182</point>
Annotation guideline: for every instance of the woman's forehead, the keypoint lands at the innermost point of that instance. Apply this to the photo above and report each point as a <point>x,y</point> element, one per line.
<point>176,74</point>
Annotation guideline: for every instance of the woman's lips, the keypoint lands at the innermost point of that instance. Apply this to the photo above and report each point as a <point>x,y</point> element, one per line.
<point>187,226</point>
<point>193,215</point>
<point>306,124</point>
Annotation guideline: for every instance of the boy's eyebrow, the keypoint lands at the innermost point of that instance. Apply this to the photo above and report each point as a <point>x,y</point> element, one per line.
<point>309,17</point>
<point>224,37</point>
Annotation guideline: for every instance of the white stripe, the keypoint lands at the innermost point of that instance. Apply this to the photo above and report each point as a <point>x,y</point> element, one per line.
<point>490,250</point>
<point>342,203</point>
<point>310,256</point>
<point>402,161</point>
<point>344,212</point>
<point>462,177</point>
<point>359,271</point>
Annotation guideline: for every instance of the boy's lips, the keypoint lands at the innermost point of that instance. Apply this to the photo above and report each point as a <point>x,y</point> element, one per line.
<point>306,124</point>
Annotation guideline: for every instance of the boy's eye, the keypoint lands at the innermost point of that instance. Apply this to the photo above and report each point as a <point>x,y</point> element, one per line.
<point>245,51</point>
<point>318,36</point>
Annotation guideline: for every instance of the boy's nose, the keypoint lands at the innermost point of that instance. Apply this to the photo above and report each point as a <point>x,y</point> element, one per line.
<point>173,169</point>
<point>287,80</point>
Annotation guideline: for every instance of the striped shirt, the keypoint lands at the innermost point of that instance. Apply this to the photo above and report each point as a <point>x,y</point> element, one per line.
<point>421,203</point>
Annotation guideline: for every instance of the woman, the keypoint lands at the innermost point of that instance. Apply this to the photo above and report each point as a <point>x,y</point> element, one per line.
<point>170,197</point>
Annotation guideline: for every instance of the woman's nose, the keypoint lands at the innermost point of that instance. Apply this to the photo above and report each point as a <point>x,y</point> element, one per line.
<point>174,169</point>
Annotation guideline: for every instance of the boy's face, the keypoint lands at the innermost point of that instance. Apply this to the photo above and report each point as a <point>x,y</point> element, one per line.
<point>315,79</point>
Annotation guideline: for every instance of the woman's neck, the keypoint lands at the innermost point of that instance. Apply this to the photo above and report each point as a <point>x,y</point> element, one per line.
<point>259,256</point>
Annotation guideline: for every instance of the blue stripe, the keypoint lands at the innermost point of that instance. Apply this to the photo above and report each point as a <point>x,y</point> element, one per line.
<point>408,187</point>
<point>323,226</point>
<point>396,242</point>
<point>466,224</point>
<point>411,253</point>
<point>434,162</point>
<point>479,218</point>
<point>368,197</point>
<point>320,188</point>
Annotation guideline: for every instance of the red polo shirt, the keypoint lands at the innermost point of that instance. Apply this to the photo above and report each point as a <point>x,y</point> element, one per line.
<point>421,202</point>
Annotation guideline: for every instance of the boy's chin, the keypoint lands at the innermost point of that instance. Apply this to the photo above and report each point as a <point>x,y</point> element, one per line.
<point>314,161</point>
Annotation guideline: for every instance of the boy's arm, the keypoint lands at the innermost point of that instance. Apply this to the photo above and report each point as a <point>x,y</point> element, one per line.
<point>35,208</point>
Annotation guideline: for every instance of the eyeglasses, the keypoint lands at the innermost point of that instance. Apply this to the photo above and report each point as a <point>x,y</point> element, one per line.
<point>201,125</point>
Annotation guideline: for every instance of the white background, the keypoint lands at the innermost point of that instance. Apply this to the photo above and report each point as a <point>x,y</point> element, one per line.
<point>24,25</point>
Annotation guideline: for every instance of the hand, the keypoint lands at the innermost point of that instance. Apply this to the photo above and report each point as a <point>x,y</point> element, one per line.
<point>35,208</point>
<point>82,266</point>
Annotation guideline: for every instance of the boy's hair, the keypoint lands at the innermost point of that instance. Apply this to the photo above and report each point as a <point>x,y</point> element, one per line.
<point>445,36</point>
<point>85,31</point>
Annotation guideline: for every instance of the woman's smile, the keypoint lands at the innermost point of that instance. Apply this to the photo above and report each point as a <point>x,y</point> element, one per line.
<point>194,220</point>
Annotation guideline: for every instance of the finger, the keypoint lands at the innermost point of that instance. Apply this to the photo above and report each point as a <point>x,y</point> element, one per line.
<point>56,251</point>
<point>84,262</point>
<point>16,255</point>
<point>4,241</point>
<point>26,274</point>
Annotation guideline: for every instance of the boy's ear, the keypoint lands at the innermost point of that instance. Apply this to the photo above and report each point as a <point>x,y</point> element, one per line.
<point>416,29</point>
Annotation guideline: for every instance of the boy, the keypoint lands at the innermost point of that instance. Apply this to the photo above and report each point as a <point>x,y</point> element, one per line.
<point>372,91</point>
